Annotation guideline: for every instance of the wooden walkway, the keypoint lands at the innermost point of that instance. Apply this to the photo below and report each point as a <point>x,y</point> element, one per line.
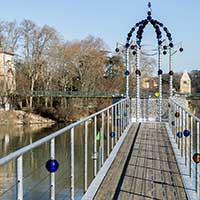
<point>145,168</point>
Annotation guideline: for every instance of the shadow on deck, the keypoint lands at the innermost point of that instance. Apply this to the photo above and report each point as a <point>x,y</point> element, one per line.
<point>144,168</point>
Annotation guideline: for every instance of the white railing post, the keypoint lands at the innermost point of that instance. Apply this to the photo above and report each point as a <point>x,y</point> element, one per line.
<point>127,69</point>
<point>138,106</point>
<point>197,166</point>
<point>20,178</point>
<point>95,147</point>
<point>116,124</point>
<point>102,139</point>
<point>186,141</point>
<point>72,164</point>
<point>159,84</point>
<point>190,146</point>
<point>170,75</point>
<point>86,157</point>
<point>112,139</point>
<point>108,132</point>
<point>121,118</point>
<point>52,175</point>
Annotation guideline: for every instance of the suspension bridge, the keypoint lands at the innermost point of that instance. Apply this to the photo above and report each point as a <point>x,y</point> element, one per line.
<point>137,149</point>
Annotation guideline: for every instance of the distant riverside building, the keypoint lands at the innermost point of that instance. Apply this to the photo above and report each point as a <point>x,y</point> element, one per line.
<point>7,76</point>
<point>185,84</point>
<point>148,83</point>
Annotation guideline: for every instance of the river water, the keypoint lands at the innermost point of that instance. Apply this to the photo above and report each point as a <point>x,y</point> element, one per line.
<point>36,178</point>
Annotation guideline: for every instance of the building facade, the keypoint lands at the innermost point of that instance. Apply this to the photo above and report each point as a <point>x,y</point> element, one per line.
<point>185,84</point>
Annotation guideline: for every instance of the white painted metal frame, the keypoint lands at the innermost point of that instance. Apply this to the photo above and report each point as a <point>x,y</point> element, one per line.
<point>187,121</point>
<point>116,120</point>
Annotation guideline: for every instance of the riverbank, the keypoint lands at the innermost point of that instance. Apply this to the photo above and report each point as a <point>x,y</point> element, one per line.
<point>22,118</point>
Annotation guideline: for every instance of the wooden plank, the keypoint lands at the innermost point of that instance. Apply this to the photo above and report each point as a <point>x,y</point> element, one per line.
<point>152,172</point>
<point>113,175</point>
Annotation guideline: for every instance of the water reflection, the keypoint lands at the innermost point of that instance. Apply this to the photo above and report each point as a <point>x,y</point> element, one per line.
<point>36,178</point>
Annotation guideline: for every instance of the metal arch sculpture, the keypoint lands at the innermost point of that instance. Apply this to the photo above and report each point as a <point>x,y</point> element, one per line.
<point>139,27</point>
<point>156,25</point>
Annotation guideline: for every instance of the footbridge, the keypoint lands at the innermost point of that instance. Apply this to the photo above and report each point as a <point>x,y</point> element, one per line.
<point>134,149</point>
<point>121,158</point>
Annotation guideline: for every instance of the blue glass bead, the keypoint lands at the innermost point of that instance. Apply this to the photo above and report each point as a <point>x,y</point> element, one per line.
<point>137,24</point>
<point>129,35</point>
<point>133,29</point>
<point>112,134</point>
<point>179,134</point>
<point>160,72</point>
<point>173,123</point>
<point>159,42</point>
<point>164,53</point>
<point>168,35</point>
<point>165,29</point>
<point>127,45</point>
<point>152,22</point>
<point>149,18</point>
<point>186,133</point>
<point>126,73</point>
<point>52,165</point>
<point>165,47</point>
<point>171,73</point>
<point>171,45</point>
<point>117,50</point>
<point>181,49</point>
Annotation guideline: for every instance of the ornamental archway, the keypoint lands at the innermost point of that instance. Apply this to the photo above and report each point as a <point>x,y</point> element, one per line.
<point>139,28</point>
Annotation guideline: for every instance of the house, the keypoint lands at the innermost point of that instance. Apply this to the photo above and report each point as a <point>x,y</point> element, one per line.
<point>7,77</point>
<point>185,84</point>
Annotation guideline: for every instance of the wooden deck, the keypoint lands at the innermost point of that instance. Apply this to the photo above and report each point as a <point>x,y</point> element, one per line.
<point>145,168</point>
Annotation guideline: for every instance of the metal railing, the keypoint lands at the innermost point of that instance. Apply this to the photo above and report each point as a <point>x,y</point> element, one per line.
<point>186,129</point>
<point>75,93</point>
<point>149,110</point>
<point>107,125</point>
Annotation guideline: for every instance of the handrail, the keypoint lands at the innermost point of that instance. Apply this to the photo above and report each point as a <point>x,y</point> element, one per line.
<point>27,148</point>
<point>185,109</point>
<point>185,128</point>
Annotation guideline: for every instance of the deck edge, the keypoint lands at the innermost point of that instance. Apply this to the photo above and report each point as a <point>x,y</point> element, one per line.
<point>95,184</point>
<point>184,171</point>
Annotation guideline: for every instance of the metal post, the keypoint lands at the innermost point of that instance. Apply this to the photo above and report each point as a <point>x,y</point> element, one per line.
<point>170,76</point>
<point>181,129</point>
<point>86,158</point>
<point>20,178</point>
<point>108,130</point>
<point>95,147</point>
<point>72,164</point>
<point>116,131</point>
<point>186,125</point>
<point>112,139</point>
<point>127,68</point>
<point>159,84</point>
<point>190,150</point>
<point>197,167</point>
<point>52,178</point>
<point>102,139</point>
<point>176,129</point>
<point>121,118</point>
<point>137,85</point>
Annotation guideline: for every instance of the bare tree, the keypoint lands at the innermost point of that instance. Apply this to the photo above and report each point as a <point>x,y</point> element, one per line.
<point>37,42</point>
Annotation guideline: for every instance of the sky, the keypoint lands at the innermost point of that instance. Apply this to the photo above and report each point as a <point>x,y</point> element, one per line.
<point>111,20</point>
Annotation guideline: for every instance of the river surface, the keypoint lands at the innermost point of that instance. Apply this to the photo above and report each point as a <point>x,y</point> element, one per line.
<point>36,178</point>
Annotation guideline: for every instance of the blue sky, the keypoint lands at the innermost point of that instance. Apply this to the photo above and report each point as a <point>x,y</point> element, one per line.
<point>112,19</point>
